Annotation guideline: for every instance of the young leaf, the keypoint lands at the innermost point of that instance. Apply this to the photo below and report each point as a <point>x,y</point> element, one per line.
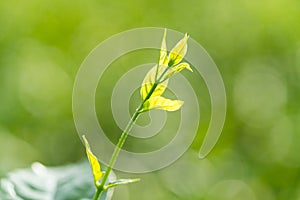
<point>163,59</point>
<point>95,165</point>
<point>149,81</point>
<point>174,70</point>
<point>178,52</point>
<point>121,182</point>
<point>162,103</point>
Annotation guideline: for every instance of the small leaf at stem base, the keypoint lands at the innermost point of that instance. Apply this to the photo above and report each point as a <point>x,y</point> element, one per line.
<point>121,182</point>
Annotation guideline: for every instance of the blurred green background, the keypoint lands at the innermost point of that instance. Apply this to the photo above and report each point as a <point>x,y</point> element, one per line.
<point>255,44</point>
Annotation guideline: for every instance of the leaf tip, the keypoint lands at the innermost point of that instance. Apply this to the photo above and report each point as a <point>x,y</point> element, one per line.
<point>136,180</point>
<point>189,68</point>
<point>86,144</point>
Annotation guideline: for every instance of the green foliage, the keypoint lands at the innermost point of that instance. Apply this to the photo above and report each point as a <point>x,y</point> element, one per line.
<point>48,183</point>
<point>156,80</point>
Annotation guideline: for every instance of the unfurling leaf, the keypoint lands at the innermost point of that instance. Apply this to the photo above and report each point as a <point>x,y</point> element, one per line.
<point>178,68</point>
<point>178,52</point>
<point>121,182</point>
<point>95,165</point>
<point>149,81</point>
<point>161,103</point>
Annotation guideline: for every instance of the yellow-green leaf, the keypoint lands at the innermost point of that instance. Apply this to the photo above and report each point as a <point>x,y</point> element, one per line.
<point>178,52</point>
<point>121,182</point>
<point>163,58</point>
<point>149,81</point>
<point>178,68</point>
<point>95,165</point>
<point>162,103</point>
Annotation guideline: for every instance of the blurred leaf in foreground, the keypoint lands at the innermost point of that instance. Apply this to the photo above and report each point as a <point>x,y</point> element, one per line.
<point>48,183</point>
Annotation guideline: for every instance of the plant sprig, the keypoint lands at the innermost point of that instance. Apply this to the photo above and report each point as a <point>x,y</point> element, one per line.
<point>153,86</point>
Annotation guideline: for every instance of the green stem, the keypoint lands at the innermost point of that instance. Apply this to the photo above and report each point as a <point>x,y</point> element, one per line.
<point>122,139</point>
<point>117,151</point>
<point>98,192</point>
<point>119,146</point>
